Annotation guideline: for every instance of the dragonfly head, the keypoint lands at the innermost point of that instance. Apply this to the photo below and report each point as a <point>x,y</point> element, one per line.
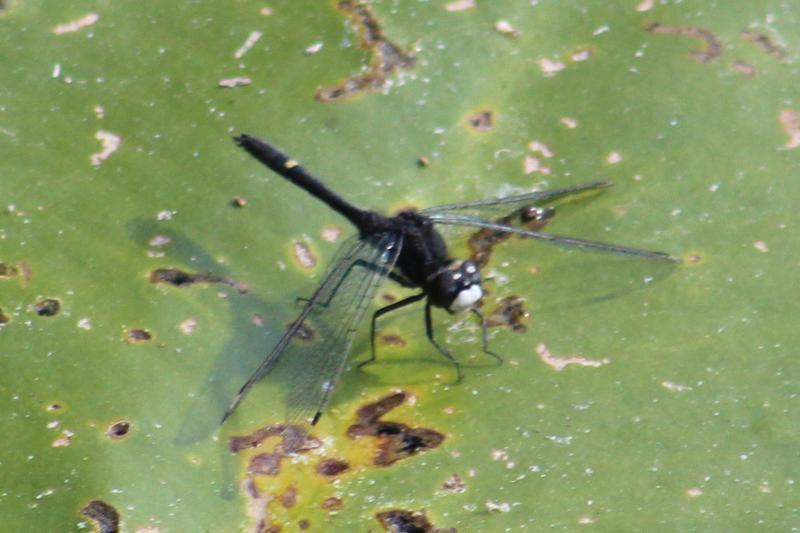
<point>457,287</point>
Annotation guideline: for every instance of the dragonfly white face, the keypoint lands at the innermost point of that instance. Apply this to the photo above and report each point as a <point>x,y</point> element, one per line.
<point>467,280</point>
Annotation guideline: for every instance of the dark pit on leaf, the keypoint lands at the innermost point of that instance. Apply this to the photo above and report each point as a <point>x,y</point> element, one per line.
<point>138,335</point>
<point>118,430</point>
<point>402,521</point>
<point>103,514</point>
<point>47,307</point>
<point>481,121</point>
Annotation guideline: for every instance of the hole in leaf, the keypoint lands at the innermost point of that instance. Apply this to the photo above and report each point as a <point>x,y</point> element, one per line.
<point>47,307</point>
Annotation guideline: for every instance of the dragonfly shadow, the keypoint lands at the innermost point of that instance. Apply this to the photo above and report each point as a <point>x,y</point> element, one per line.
<point>243,347</point>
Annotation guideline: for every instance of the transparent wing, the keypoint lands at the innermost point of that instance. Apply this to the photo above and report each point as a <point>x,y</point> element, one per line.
<point>492,207</point>
<point>507,210</point>
<point>312,353</point>
<point>571,242</point>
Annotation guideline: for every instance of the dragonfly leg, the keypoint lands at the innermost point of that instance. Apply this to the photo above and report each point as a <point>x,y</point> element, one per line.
<point>485,335</point>
<point>442,349</point>
<point>382,311</point>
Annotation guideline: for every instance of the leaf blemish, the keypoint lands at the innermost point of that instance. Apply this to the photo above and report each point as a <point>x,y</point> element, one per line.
<point>293,439</point>
<point>510,312</point>
<point>482,242</point>
<point>332,467</point>
<point>713,47</point>
<point>396,441</point>
<point>387,57</point>
<point>137,335</point>
<point>392,340</point>
<point>47,307</point>
<point>765,43</point>
<point>560,363</point>
<point>333,504</point>
<point>104,515</point>
<point>790,120</point>
<point>181,278</point>
<point>400,520</point>
<point>118,430</point>
<point>303,255</point>
<point>289,498</point>
<point>110,143</point>
<point>481,121</point>
<point>8,271</point>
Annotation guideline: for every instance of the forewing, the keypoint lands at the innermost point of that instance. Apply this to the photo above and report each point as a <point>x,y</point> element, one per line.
<point>494,207</point>
<point>567,242</point>
<point>313,351</point>
<point>503,210</point>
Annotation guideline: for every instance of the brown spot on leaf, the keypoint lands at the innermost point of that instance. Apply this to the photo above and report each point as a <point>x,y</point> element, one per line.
<point>332,467</point>
<point>54,406</point>
<point>289,497</point>
<point>303,524</point>
<point>388,297</point>
<point>4,318</point>
<point>481,121</point>
<point>180,278</point>
<point>105,517</point>
<point>238,201</point>
<point>265,464</point>
<point>509,312</point>
<point>713,47</point>
<point>137,336</point>
<point>765,43</point>
<point>402,521</point>
<point>387,57</point>
<point>293,439</point>
<point>332,504</point>
<point>47,307</point>
<point>396,441</point>
<point>392,340</point>
<point>118,430</point>
<point>8,271</point>
<point>482,242</point>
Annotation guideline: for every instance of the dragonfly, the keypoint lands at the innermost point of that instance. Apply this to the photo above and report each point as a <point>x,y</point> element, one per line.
<point>407,248</point>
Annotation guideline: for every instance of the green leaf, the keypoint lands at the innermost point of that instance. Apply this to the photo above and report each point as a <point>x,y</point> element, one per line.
<point>117,161</point>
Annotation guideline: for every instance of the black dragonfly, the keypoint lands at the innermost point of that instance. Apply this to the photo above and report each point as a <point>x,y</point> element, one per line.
<point>406,248</point>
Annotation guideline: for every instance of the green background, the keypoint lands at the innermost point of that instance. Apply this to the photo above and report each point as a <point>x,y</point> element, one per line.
<point>692,424</point>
